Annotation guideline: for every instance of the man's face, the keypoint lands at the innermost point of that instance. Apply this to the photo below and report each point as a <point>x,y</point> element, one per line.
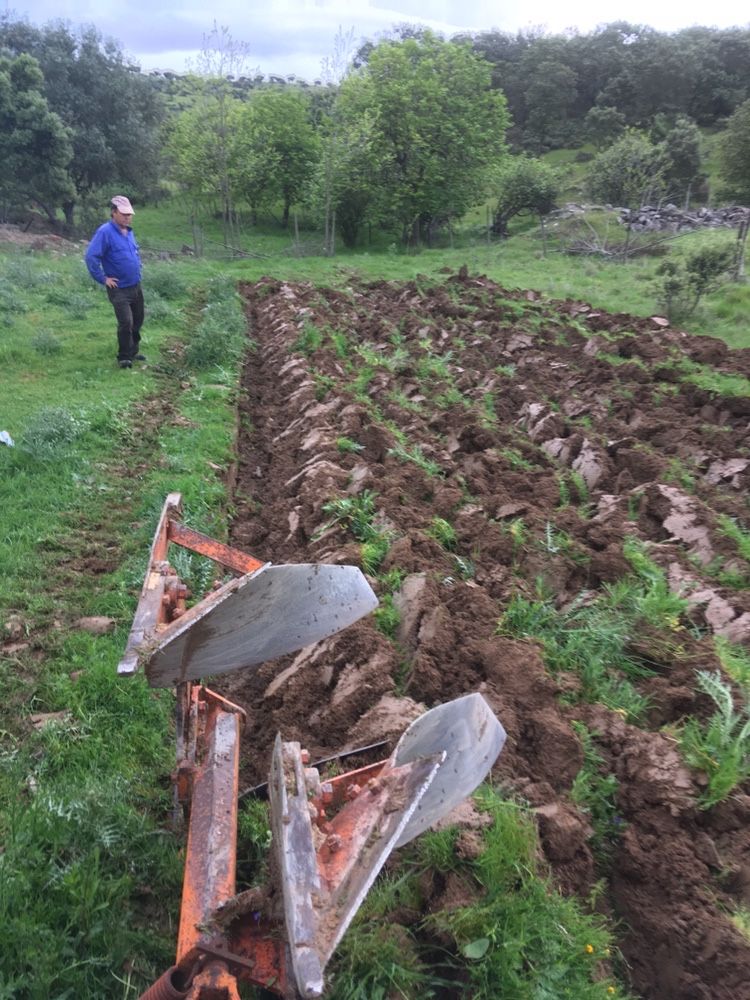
<point>121,218</point>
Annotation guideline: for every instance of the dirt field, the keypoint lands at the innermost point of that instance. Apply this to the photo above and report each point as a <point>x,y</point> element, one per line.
<point>508,395</point>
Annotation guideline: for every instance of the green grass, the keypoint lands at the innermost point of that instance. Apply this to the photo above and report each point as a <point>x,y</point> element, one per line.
<point>593,637</point>
<point>721,746</point>
<point>89,874</point>
<point>518,938</point>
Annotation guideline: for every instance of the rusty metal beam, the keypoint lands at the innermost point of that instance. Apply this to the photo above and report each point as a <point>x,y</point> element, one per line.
<point>212,833</point>
<point>151,610</point>
<point>227,556</point>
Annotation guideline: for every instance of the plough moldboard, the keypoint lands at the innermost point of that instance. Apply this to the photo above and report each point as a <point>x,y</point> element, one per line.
<point>330,838</point>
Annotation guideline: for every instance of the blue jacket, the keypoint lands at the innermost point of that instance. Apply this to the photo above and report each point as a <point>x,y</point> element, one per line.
<point>111,254</point>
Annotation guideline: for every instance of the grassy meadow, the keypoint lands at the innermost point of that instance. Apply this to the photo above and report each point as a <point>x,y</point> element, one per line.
<point>90,870</point>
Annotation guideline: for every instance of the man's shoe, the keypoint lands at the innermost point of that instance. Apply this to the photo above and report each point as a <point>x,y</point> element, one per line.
<point>125,364</point>
<point>139,357</point>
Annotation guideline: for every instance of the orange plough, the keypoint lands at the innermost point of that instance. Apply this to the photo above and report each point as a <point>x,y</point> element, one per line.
<point>330,838</point>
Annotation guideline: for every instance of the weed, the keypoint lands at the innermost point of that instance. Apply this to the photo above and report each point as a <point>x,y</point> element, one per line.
<point>340,341</point>
<point>387,616</point>
<point>734,659</point>
<point>652,601</point>
<point>323,385</point>
<point>741,920</point>
<point>219,335</point>
<point>564,489</point>
<point>11,303</point>
<point>158,309</point>
<point>166,281</point>
<point>361,382</point>
<point>46,343</point>
<point>345,444</point>
<point>522,938</point>
<point>309,339</point>
<point>355,513</point>
<point>595,792</point>
<point>443,532</point>
<point>376,961</point>
<point>721,747</point>
<point>516,460</point>
<point>466,568</point>
<point>50,433</point>
<point>677,473</point>
<point>451,397</point>
<point>589,639</point>
<point>374,551</point>
<point>729,527</point>
<point>254,839</point>
<point>391,581</point>
<point>580,485</point>
<point>489,414</point>
<point>79,305</point>
<point>416,455</point>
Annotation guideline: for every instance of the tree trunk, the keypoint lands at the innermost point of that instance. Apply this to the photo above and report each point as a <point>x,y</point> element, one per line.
<point>69,208</point>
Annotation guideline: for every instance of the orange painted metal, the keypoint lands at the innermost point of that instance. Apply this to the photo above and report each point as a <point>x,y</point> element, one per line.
<point>212,833</point>
<point>215,982</point>
<point>232,558</point>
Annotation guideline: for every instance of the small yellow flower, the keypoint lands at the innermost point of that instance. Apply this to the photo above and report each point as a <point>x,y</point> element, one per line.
<point>589,949</point>
<point>610,989</point>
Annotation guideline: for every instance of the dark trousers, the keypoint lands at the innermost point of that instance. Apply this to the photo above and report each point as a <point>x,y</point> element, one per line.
<point>128,306</point>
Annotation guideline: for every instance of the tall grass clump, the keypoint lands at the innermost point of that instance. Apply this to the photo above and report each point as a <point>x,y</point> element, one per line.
<point>594,638</point>
<point>166,281</point>
<point>522,938</point>
<point>218,337</point>
<point>50,433</point>
<point>721,746</point>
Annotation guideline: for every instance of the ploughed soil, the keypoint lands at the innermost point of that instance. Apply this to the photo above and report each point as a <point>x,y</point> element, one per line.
<point>499,397</point>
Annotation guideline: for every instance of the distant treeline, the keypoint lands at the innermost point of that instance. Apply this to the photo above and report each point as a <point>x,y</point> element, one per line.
<point>407,135</point>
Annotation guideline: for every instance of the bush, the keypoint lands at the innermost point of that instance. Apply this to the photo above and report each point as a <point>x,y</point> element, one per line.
<point>46,343</point>
<point>50,432</point>
<point>10,303</point>
<point>158,309</point>
<point>166,281</point>
<point>682,286</point>
<point>219,336</point>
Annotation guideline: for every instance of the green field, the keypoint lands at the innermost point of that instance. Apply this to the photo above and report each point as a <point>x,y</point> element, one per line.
<point>90,873</point>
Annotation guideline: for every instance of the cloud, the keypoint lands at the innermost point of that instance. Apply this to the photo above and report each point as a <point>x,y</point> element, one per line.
<point>293,36</point>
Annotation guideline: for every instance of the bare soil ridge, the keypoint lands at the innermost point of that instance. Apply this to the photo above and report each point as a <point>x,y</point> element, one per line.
<point>546,388</point>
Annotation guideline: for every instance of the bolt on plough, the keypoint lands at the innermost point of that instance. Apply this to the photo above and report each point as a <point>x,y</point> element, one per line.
<point>330,838</point>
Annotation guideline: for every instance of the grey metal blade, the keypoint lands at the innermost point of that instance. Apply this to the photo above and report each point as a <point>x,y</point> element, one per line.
<point>472,738</point>
<point>259,617</point>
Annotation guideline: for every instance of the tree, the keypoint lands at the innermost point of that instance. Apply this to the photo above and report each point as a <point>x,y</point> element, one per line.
<point>682,146</point>
<point>603,125</point>
<point>221,59</point>
<point>523,185</point>
<point>437,125</point>
<point>630,173</point>
<point>35,149</point>
<point>276,150</point>
<point>113,113</point>
<point>734,154</point>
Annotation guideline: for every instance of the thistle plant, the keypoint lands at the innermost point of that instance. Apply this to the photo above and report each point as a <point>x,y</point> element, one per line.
<point>720,747</point>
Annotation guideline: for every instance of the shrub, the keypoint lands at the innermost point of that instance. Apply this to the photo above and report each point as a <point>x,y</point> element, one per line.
<point>46,343</point>
<point>50,433</point>
<point>218,337</point>
<point>166,281</point>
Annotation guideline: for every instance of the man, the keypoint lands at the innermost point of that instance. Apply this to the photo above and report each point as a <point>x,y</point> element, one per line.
<point>112,259</point>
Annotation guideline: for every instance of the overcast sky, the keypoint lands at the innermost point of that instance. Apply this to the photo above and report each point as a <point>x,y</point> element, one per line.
<point>294,36</point>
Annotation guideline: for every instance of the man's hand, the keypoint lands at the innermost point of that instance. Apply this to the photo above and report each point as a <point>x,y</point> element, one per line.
<point>111,282</point>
